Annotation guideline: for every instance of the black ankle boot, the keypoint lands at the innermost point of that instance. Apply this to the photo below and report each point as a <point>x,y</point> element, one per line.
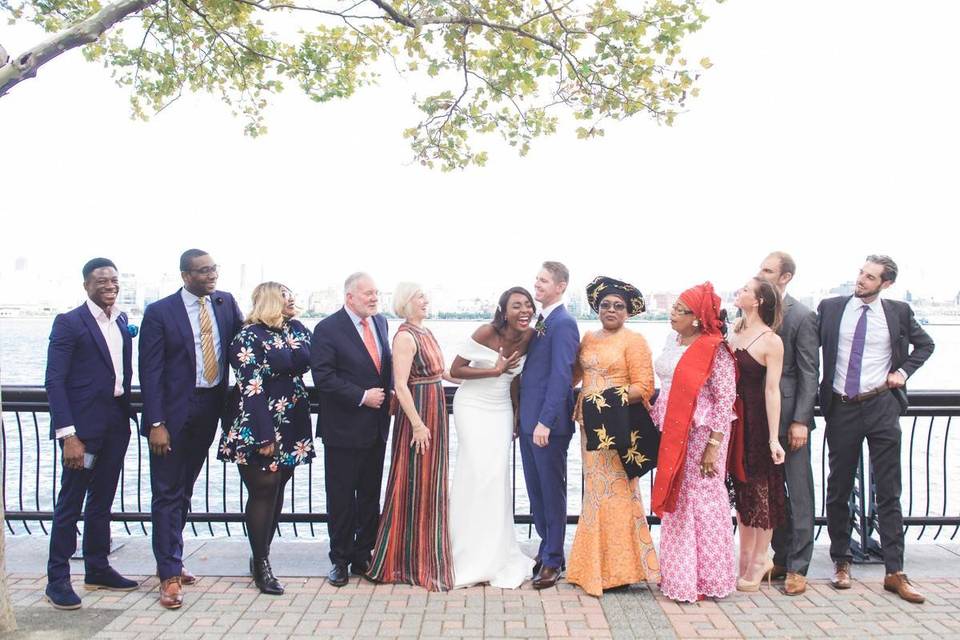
<point>264,579</point>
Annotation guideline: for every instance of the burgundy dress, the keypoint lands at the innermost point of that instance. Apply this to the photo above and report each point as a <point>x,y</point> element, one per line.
<point>761,500</point>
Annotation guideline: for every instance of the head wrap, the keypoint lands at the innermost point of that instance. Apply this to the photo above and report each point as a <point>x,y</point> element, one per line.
<point>705,305</point>
<point>604,286</point>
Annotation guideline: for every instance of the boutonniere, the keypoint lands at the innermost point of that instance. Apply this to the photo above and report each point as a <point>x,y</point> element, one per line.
<point>133,330</point>
<point>540,327</point>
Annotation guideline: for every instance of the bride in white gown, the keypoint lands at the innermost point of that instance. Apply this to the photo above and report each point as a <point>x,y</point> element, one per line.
<point>482,537</point>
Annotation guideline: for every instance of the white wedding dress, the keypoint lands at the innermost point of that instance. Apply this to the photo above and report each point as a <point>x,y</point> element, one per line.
<point>482,537</point>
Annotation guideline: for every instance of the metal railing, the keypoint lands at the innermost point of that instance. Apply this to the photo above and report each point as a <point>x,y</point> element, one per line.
<point>31,463</point>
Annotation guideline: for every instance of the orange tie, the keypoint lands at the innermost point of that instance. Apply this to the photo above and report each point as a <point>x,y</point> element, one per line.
<point>371,343</point>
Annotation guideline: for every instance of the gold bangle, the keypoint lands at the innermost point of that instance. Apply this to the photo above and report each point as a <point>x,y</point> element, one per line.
<point>715,443</point>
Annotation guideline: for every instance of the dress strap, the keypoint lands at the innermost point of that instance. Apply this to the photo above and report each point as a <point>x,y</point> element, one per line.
<point>757,338</point>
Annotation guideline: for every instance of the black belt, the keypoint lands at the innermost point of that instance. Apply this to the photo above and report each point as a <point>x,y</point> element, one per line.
<point>866,395</point>
<point>206,389</point>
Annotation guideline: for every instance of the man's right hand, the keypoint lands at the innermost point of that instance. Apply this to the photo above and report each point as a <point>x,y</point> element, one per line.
<point>797,435</point>
<point>373,398</point>
<point>159,440</point>
<point>73,450</point>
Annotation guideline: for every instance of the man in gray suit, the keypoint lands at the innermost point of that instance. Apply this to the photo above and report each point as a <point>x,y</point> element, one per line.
<point>793,542</point>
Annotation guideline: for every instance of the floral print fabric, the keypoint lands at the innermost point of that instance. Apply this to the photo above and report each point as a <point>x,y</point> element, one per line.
<point>273,405</point>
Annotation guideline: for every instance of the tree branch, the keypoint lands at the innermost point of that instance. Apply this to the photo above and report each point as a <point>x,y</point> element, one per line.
<point>25,66</point>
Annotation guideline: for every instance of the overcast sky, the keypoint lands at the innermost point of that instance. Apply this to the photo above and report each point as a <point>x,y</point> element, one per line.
<point>824,128</point>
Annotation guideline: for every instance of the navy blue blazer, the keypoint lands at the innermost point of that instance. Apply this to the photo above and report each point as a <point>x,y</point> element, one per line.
<point>80,379</point>
<point>168,357</point>
<point>546,385</point>
<point>342,370</point>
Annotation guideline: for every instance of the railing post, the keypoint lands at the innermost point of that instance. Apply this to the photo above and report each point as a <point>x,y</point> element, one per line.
<point>863,547</point>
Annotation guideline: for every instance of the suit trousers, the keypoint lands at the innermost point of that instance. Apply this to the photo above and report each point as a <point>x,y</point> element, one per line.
<point>353,477</point>
<point>172,478</point>
<point>97,486</point>
<point>877,421</point>
<point>793,542</point>
<point>545,473</point>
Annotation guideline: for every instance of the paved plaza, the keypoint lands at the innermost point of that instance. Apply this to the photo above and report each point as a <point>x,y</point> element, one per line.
<point>225,604</point>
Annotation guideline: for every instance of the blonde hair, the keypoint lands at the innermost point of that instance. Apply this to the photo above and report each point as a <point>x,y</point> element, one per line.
<point>403,297</point>
<point>268,304</point>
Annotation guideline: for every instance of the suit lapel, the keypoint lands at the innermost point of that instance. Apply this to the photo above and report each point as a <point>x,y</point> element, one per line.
<point>97,334</point>
<point>186,331</point>
<point>893,326</point>
<point>220,313</point>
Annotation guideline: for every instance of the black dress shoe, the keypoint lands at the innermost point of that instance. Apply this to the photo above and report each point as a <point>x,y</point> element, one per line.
<point>547,578</point>
<point>338,575</point>
<point>359,568</point>
<point>264,579</point>
<point>108,579</point>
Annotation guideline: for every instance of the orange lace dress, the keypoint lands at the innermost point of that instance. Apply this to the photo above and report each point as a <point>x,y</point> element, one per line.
<point>612,546</point>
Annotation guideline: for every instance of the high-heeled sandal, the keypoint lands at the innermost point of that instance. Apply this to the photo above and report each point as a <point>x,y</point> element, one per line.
<point>752,586</point>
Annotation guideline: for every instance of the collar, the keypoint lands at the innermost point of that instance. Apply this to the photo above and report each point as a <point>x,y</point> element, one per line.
<point>100,314</point>
<point>354,318</point>
<point>548,310</point>
<point>190,299</point>
<point>856,303</point>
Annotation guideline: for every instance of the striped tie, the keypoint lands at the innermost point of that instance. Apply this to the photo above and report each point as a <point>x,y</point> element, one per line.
<point>210,368</point>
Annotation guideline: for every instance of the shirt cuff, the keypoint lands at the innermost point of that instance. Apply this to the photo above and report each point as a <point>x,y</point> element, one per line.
<point>362,398</point>
<point>63,432</point>
<point>156,424</point>
<point>903,373</point>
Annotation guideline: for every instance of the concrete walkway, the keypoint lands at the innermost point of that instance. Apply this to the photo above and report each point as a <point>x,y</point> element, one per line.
<point>224,603</point>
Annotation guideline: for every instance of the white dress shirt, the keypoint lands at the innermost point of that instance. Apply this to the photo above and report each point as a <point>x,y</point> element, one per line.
<point>877,351</point>
<point>114,339</point>
<point>192,303</point>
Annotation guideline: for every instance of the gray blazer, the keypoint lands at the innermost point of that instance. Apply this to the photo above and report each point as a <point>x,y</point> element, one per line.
<point>801,364</point>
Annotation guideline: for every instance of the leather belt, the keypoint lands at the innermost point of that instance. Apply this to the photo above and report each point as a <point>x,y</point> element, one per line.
<point>866,395</point>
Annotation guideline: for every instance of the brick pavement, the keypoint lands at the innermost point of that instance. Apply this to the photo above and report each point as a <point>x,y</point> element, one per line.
<point>230,607</point>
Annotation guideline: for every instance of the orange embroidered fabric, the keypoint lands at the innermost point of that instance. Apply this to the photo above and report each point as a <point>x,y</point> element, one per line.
<point>612,546</point>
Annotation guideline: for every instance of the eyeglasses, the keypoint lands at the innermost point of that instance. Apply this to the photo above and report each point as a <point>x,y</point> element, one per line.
<point>616,306</point>
<point>681,312</point>
<point>205,271</point>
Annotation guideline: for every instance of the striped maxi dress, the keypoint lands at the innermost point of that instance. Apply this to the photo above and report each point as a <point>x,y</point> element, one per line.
<point>413,542</point>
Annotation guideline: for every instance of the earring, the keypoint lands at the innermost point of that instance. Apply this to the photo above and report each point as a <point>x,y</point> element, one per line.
<point>696,324</point>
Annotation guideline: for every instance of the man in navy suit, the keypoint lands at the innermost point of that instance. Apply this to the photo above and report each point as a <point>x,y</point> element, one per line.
<point>352,370</point>
<point>546,423</point>
<point>88,388</point>
<point>870,347</point>
<point>184,374</point>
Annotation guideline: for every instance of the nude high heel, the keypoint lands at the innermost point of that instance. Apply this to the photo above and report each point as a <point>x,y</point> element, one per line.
<point>754,585</point>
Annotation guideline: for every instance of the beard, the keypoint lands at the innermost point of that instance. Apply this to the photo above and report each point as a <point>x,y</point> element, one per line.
<point>867,293</point>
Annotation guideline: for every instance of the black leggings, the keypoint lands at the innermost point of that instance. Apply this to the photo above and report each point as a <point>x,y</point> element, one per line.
<point>264,504</point>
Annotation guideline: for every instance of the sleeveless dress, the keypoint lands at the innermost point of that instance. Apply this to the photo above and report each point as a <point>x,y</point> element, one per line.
<point>612,546</point>
<point>761,500</point>
<point>483,541</point>
<point>413,544</point>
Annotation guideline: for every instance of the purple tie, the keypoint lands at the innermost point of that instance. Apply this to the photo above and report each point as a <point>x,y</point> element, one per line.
<point>852,386</point>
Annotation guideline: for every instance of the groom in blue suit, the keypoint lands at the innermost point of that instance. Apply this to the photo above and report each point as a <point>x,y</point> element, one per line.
<point>88,387</point>
<point>546,422</point>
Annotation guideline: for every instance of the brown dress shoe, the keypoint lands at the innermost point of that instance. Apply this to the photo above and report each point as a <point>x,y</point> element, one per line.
<point>899,584</point>
<point>795,585</point>
<point>186,578</point>
<point>841,575</point>
<point>171,593</point>
<point>547,578</point>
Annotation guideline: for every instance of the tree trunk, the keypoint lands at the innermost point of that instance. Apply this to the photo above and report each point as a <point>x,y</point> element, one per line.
<point>7,621</point>
<point>24,66</point>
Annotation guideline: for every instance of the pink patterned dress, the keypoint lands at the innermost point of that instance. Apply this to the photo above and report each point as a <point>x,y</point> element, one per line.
<point>696,539</point>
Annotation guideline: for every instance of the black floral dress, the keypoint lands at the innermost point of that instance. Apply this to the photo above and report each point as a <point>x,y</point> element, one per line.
<point>272,405</point>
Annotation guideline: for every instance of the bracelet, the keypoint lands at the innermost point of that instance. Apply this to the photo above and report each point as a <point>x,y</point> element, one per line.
<point>715,443</point>
<point>68,436</point>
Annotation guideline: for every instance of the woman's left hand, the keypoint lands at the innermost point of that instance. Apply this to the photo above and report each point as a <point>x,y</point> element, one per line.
<point>708,463</point>
<point>776,452</point>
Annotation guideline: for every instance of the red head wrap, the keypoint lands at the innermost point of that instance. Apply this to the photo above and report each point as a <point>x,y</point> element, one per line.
<point>705,305</point>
